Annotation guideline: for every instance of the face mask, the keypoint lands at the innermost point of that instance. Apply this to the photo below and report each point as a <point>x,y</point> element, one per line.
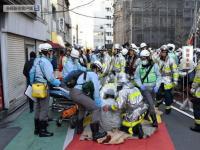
<point>144,62</point>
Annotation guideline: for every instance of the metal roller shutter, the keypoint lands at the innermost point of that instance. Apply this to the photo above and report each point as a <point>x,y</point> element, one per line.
<point>16,60</point>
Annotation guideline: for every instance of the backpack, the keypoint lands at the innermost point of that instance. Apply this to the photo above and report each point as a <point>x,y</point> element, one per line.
<point>88,87</point>
<point>71,79</point>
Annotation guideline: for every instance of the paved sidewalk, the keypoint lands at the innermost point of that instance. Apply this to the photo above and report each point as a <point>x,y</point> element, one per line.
<point>26,140</point>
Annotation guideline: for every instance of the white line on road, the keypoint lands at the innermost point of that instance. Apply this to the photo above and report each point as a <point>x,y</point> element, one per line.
<point>69,137</point>
<point>182,112</point>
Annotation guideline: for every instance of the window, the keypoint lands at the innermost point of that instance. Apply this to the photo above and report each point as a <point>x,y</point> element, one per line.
<point>108,9</point>
<point>108,25</point>
<point>108,33</point>
<point>108,17</point>
<point>108,42</point>
<point>138,21</point>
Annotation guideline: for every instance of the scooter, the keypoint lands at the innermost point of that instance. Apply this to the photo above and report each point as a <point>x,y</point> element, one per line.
<point>63,104</point>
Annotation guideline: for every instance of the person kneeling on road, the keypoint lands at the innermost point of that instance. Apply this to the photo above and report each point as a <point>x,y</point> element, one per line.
<point>130,99</point>
<point>86,94</point>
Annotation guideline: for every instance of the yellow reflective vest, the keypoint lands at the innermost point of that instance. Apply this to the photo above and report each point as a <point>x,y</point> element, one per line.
<point>196,82</point>
<point>169,72</point>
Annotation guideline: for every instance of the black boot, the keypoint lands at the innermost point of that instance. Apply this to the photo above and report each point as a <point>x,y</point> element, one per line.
<point>167,111</point>
<point>95,131</point>
<point>43,130</point>
<point>80,126</point>
<point>158,103</point>
<point>154,120</point>
<point>37,125</point>
<point>124,129</point>
<point>195,128</point>
<point>137,130</point>
<point>140,131</point>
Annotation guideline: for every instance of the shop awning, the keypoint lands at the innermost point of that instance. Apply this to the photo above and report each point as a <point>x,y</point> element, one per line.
<point>55,45</point>
<point>56,41</point>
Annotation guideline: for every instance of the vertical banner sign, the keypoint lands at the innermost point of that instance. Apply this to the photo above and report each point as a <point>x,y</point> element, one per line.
<point>187,57</point>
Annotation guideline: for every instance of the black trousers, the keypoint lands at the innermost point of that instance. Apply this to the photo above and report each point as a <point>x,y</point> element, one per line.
<point>167,94</point>
<point>196,109</point>
<point>31,104</point>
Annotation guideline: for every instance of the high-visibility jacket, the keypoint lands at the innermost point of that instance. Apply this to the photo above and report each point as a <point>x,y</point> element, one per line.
<point>131,100</point>
<point>106,63</point>
<point>119,63</point>
<point>196,82</point>
<point>169,72</point>
<point>153,79</point>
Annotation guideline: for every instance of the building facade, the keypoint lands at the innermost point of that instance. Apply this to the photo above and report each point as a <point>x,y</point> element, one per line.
<point>20,34</point>
<point>103,28</point>
<point>157,22</point>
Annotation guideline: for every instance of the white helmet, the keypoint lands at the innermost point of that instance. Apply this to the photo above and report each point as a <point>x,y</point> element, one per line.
<point>171,47</point>
<point>144,53</point>
<point>122,78</point>
<point>100,48</point>
<point>142,45</point>
<point>98,65</point>
<point>74,53</point>
<point>78,47</point>
<point>117,46</point>
<point>133,46</point>
<point>44,47</point>
<point>124,51</point>
<point>111,92</point>
<point>164,48</point>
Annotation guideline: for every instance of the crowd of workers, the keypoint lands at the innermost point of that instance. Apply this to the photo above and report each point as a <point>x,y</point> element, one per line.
<point>144,78</point>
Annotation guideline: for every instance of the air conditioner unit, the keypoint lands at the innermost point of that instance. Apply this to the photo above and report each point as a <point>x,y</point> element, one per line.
<point>61,24</point>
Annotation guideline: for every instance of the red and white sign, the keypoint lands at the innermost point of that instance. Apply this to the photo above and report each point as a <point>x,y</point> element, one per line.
<point>187,57</point>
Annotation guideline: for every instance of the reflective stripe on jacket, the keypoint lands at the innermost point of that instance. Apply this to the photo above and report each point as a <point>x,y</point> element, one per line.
<point>169,72</point>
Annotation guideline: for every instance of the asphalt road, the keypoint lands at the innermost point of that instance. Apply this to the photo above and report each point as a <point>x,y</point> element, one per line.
<point>178,127</point>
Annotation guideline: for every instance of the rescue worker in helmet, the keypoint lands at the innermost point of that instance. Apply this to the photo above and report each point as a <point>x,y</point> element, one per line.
<point>129,99</point>
<point>94,54</point>
<point>195,91</point>
<point>42,72</point>
<point>72,64</point>
<point>67,56</point>
<point>169,73</point>
<point>82,58</point>
<point>143,46</point>
<point>147,77</point>
<point>105,60</point>
<point>131,60</point>
<point>119,62</point>
<point>171,52</point>
<point>86,93</point>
